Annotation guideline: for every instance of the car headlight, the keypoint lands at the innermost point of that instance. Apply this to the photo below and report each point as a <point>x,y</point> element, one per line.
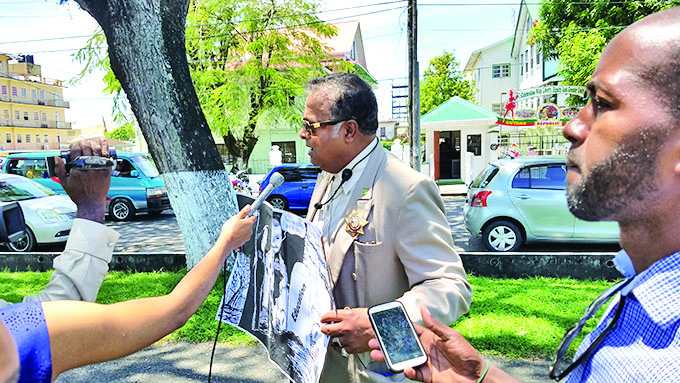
<point>155,192</point>
<point>49,216</point>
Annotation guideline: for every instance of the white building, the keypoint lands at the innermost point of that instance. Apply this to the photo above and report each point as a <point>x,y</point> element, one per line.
<point>493,71</point>
<point>534,72</point>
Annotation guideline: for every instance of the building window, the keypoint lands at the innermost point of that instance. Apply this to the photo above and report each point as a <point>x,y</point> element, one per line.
<point>4,90</point>
<point>538,57</point>
<point>16,115</point>
<point>28,138</point>
<point>42,94</point>
<point>45,137</point>
<point>288,153</point>
<point>23,92</point>
<point>34,94</point>
<point>25,116</point>
<point>37,138</point>
<point>497,108</point>
<point>8,138</point>
<point>44,117</point>
<point>474,144</point>
<point>526,62</point>
<point>15,91</point>
<point>521,64</point>
<point>36,116</point>
<point>18,138</point>
<point>531,57</point>
<point>0,65</point>
<point>501,70</point>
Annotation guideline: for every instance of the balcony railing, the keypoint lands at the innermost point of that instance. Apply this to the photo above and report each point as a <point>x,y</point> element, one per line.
<point>37,124</point>
<point>40,80</point>
<point>46,102</point>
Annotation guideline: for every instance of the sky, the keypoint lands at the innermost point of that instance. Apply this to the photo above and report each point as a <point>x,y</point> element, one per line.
<point>53,33</point>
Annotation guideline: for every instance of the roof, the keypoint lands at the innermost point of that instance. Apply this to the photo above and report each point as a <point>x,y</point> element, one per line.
<point>529,10</point>
<point>342,41</point>
<point>474,56</point>
<point>457,109</point>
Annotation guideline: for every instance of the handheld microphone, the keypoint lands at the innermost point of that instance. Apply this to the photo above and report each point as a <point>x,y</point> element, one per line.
<point>346,175</point>
<point>274,181</point>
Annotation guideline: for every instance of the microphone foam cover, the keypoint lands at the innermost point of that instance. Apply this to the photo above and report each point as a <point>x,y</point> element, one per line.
<point>276,179</point>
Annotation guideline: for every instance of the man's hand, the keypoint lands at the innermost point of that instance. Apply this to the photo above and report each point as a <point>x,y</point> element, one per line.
<point>87,188</point>
<point>352,328</point>
<point>450,357</point>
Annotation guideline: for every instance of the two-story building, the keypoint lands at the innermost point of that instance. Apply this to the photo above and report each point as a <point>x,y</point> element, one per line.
<point>31,107</point>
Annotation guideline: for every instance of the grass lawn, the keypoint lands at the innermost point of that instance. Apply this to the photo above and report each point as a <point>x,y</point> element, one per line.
<point>450,182</point>
<point>516,318</point>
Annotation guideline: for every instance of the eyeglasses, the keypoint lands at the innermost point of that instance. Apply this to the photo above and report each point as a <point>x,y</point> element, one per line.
<point>563,366</point>
<point>310,126</point>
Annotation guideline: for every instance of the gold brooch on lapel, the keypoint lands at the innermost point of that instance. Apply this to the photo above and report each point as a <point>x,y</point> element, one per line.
<point>355,223</point>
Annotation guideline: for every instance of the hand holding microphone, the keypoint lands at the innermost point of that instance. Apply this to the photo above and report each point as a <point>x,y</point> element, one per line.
<point>274,181</point>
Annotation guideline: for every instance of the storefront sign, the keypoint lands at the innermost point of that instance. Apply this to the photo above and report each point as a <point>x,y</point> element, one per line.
<point>549,90</point>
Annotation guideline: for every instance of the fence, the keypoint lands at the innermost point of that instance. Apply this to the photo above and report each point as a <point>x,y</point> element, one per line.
<point>532,143</point>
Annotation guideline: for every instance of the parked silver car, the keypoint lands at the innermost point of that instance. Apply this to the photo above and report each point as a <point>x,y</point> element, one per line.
<point>49,216</point>
<point>523,200</point>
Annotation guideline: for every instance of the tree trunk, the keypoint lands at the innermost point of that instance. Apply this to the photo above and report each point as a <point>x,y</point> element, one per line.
<point>148,55</point>
<point>241,149</point>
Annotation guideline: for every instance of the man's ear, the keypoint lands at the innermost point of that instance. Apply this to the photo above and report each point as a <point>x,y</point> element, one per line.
<point>350,129</point>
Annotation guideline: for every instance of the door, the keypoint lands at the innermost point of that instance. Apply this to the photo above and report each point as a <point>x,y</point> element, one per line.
<point>449,155</point>
<point>538,193</point>
<point>309,176</point>
<point>123,184</point>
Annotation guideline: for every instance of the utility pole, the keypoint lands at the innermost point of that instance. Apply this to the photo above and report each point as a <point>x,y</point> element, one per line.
<point>413,86</point>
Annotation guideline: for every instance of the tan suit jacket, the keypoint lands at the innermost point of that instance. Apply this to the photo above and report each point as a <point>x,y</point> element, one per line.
<point>406,253</point>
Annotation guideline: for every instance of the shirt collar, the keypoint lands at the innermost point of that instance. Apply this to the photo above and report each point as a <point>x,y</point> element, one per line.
<point>357,165</point>
<point>658,289</point>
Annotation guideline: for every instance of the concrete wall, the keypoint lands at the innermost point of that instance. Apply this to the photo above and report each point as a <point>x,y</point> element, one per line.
<point>508,265</point>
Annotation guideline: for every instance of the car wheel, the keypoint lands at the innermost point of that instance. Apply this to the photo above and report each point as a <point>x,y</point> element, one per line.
<point>502,236</point>
<point>25,244</point>
<point>121,210</point>
<point>278,202</point>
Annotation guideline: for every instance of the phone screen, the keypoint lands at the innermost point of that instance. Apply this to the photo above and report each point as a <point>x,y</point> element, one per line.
<point>398,338</point>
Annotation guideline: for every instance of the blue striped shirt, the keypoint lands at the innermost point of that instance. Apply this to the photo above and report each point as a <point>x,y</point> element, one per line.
<point>645,344</point>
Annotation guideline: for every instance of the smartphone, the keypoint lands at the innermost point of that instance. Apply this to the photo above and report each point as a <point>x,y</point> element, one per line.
<point>397,337</point>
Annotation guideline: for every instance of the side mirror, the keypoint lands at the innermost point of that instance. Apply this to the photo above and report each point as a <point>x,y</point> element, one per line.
<point>134,173</point>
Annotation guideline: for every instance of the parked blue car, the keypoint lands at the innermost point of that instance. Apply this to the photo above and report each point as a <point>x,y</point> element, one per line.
<point>135,183</point>
<point>297,187</point>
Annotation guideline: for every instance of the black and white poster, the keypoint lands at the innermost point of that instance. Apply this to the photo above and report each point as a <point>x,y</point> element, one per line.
<point>279,289</point>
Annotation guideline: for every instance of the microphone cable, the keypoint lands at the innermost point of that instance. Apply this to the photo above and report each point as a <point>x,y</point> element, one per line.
<point>346,175</point>
<point>219,323</point>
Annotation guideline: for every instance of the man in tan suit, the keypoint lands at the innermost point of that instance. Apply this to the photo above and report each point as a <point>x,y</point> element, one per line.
<point>385,231</point>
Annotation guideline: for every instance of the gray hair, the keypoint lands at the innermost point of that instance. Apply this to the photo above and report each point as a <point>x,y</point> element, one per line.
<point>353,99</point>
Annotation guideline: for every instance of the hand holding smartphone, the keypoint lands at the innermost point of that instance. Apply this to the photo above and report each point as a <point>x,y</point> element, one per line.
<point>397,337</point>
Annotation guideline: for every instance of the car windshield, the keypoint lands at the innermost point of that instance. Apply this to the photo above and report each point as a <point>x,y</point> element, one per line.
<point>19,189</point>
<point>146,165</point>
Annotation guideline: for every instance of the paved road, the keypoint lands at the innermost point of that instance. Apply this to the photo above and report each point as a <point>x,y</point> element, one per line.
<point>189,363</point>
<point>145,233</point>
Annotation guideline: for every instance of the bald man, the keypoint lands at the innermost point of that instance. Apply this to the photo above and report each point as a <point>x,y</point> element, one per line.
<point>624,166</point>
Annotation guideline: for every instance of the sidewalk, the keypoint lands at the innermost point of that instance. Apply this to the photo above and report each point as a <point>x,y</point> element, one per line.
<point>453,190</point>
<point>189,362</point>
